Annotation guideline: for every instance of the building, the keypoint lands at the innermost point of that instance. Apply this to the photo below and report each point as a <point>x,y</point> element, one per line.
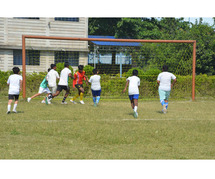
<point>41,53</point>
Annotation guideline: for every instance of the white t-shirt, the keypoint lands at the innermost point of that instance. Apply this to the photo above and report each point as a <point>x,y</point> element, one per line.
<point>95,82</point>
<point>14,84</point>
<point>165,80</point>
<point>51,77</point>
<point>134,82</point>
<point>64,77</point>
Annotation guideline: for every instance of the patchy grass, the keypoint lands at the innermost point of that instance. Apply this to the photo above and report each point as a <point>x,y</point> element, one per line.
<point>109,131</point>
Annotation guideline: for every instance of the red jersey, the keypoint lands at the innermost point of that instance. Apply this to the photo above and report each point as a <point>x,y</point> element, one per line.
<point>78,78</point>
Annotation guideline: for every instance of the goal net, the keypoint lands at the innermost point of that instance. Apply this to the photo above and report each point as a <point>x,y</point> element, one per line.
<point>115,59</point>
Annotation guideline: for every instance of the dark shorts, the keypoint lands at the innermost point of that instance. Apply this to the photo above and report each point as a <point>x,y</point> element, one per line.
<point>13,96</point>
<point>96,93</point>
<point>78,86</point>
<point>61,87</point>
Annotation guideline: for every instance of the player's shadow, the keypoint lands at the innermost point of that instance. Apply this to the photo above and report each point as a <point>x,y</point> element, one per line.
<point>160,112</point>
<point>18,112</point>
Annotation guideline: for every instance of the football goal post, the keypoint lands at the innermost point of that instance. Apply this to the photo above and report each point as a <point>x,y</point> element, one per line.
<point>109,55</point>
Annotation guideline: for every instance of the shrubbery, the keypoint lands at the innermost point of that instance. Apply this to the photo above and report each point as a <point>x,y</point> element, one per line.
<point>112,86</point>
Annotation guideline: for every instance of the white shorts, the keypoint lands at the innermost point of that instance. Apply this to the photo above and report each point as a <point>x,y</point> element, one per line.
<point>44,90</point>
<point>53,89</point>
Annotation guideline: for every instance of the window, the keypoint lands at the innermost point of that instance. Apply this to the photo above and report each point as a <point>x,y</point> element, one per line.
<point>71,57</point>
<point>32,57</point>
<point>27,18</point>
<point>72,19</point>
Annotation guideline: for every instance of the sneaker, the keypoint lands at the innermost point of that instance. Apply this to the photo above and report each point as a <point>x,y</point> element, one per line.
<point>14,111</point>
<point>82,102</point>
<point>64,102</point>
<point>49,102</point>
<point>43,101</point>
<point>29,99</point>
<point>73,102</point>
<point>164,110</point>
<point>135,114</point>
<point>8,112</point>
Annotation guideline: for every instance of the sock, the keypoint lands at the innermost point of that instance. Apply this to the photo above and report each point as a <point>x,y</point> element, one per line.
<point>50,96</point>
<point>64,99</point>
<point>81,96</point>
<point>94,99</point>
<point>8,107</point>
<point>135,108</point>
<point>77,95</point>
<point>97,99</point>
<point>166,103</point>
<point>162,102</point>
<point>14,107</point>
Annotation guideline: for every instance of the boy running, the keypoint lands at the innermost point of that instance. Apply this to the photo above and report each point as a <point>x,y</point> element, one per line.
<point>165,86</point>
<point>15,86</point>
<point>42,89</point>
<point>133,90</point>
<point>52,76</point>
<point>79,76</point>
<point>95,86</point>
<point>63,83</point>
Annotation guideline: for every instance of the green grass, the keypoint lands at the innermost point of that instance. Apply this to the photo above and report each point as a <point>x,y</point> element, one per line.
<point>109,131</point>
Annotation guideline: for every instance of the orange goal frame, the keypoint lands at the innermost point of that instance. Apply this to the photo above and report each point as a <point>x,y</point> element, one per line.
<point>24,37</point>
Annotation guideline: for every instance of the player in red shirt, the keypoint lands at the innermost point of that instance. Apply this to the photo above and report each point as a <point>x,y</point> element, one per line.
<point>79,76</point>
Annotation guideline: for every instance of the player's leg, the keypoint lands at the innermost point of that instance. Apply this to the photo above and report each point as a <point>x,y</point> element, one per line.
<point>166,103</point>
<point>162,96</point>
<point>135,98</point>
<point>98,94</point>
<point>77,95</point>
<point>94,97</point>
<point>41,90</point>
<point>10,100</point>
<point>81,91</point>
<point>15,103</point>
<point>67,89</point>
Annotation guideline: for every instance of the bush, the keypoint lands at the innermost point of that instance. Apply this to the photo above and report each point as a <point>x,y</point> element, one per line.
<point>89,70</point>
<point>60,67</point>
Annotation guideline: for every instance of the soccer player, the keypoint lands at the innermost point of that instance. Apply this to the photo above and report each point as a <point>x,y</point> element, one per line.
<point>42,89</point>
<point>95,86</point>
<point>133,90</point>
<point>15,86</point>
<point>165,86</point>
<point>52,76</point>
<point>79,76</point>
<point>63,83</point>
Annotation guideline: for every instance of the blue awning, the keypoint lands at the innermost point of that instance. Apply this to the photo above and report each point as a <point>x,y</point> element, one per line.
<point>105,43</point>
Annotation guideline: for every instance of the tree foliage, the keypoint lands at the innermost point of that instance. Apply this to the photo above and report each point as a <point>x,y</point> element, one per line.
<point>164,28</point>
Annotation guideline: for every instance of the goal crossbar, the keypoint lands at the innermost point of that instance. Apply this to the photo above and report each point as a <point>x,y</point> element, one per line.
<point>24,37</point>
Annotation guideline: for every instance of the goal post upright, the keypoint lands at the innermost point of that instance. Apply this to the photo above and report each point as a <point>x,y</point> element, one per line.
<point>106,40</point>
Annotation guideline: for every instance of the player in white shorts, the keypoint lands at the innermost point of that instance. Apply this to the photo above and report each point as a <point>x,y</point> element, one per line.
<point>164,80</point>
<point>42,89</point>
<point>51,77</point>
<point>15,85</point>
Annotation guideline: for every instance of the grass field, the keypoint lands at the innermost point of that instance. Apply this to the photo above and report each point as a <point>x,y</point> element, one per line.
<point>109,131</point>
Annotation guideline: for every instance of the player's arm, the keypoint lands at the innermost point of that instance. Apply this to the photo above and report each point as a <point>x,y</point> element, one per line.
<point>126,85</point>
<point>174,81</point>
<point>70,75</point>
<point>20,81</point>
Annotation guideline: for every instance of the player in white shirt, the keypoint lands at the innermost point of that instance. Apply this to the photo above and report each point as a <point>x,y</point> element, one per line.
<point>133,90</point>
<point>51,77</point>
<point>63,83</point>
<point>95,86</point>
<point>164,80</point>
<point>15,86</point>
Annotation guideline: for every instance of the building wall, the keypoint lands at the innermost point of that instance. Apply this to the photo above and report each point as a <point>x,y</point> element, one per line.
<point>12,29</point>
